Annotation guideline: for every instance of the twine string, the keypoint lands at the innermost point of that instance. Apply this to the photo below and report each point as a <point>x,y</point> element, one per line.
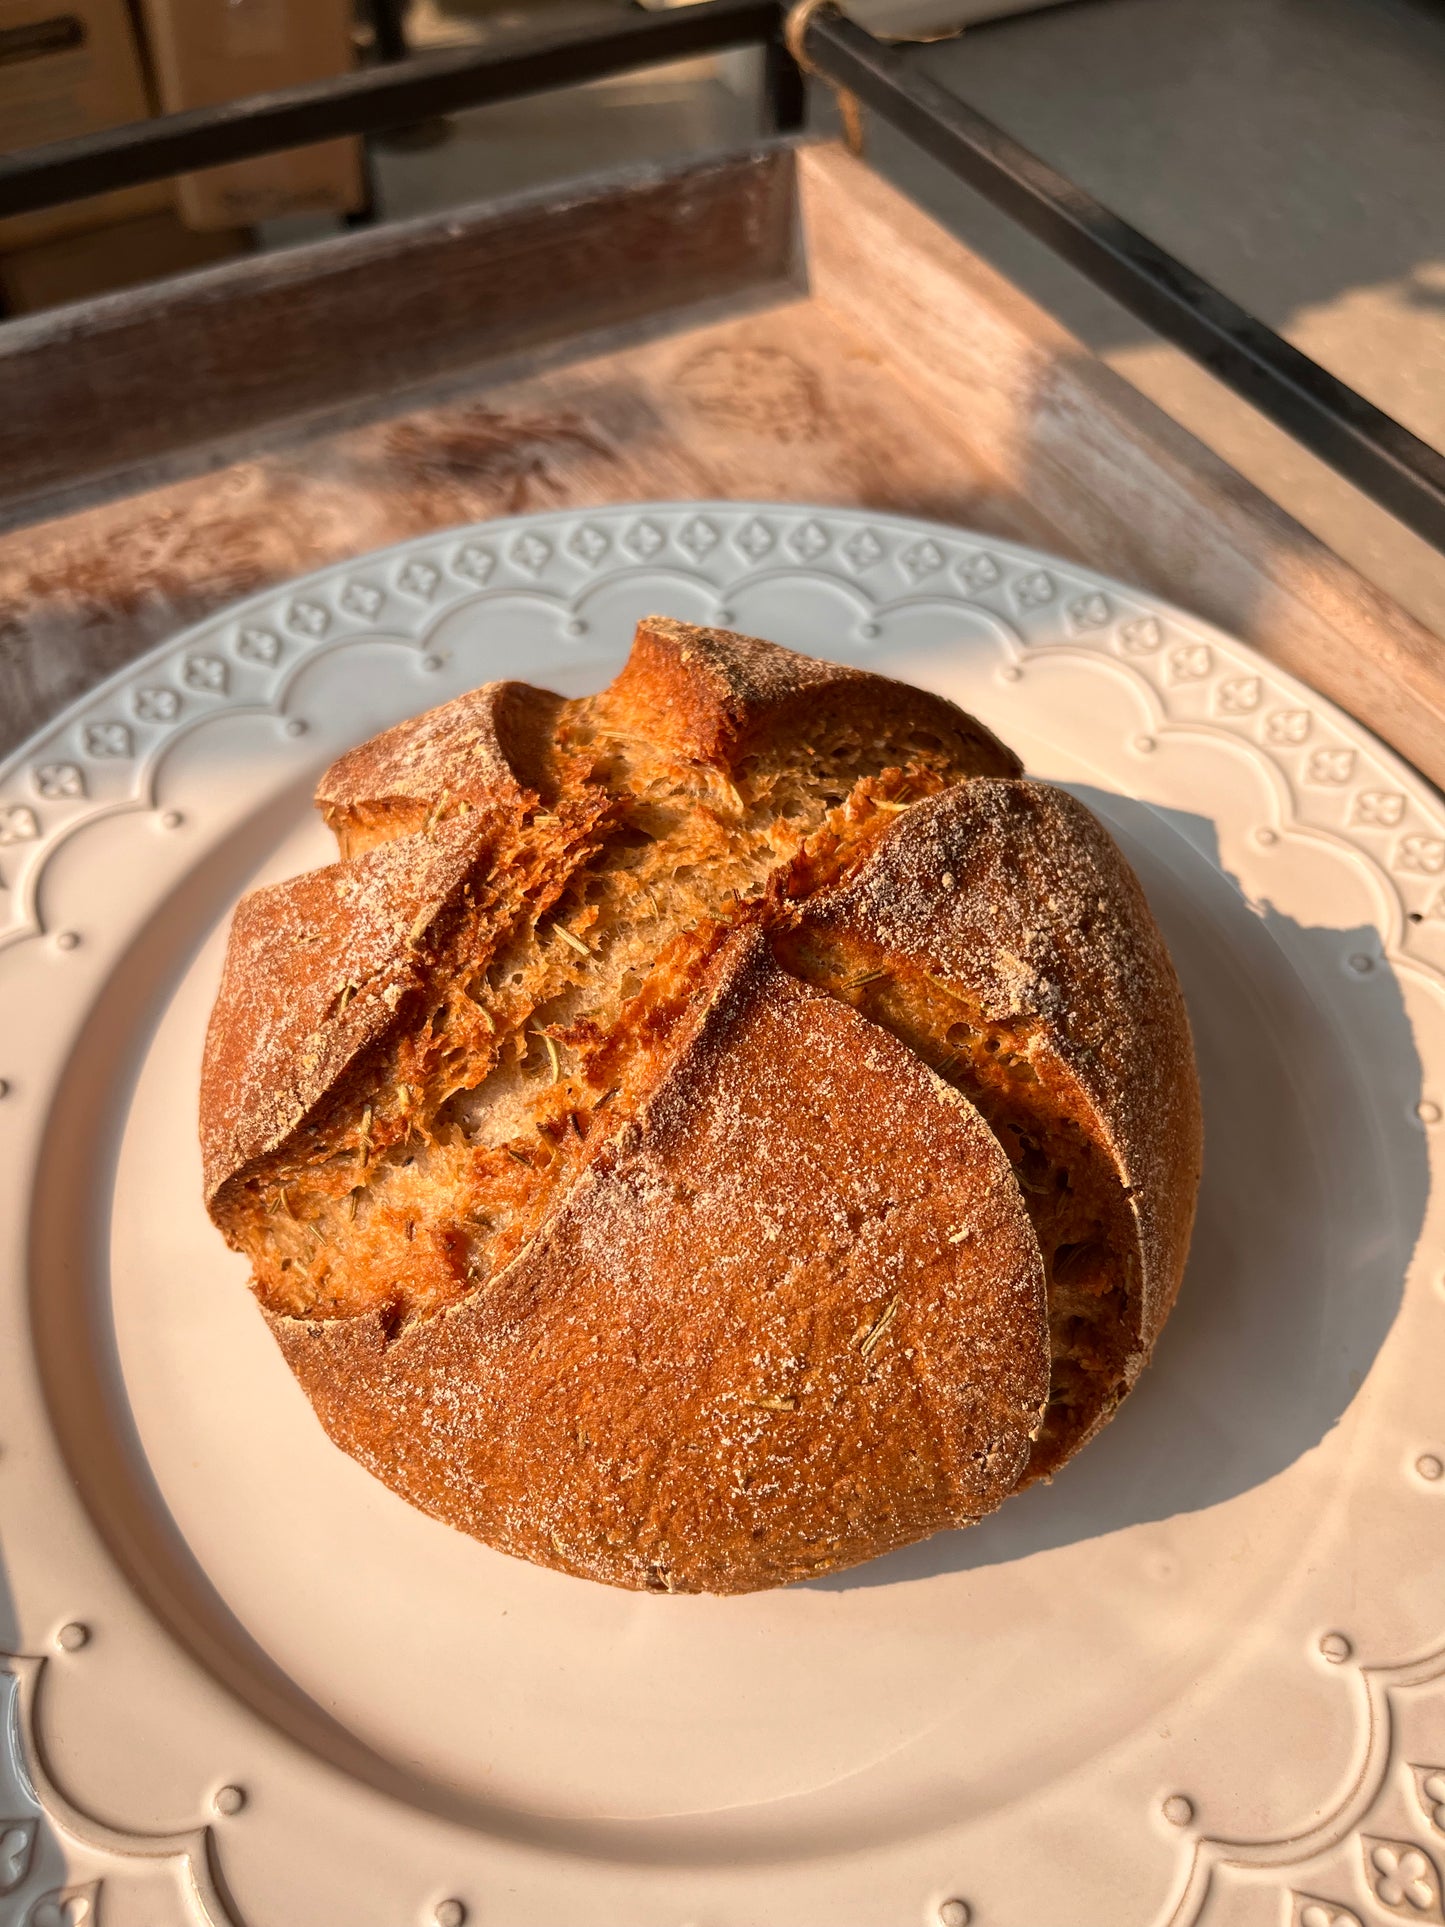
<point>795,33</point>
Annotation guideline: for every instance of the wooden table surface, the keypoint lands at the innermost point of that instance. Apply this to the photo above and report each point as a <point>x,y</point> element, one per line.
<point>785,405</point>
<point>906,375</point>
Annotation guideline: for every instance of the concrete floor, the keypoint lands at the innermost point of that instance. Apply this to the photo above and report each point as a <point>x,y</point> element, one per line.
<point>1293,151</point>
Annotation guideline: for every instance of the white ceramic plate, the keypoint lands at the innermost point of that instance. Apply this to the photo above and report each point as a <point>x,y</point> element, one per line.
<point>1202,1676</point>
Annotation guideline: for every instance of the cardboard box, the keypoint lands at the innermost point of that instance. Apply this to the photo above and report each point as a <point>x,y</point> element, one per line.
<point>75,267</point>
<point>204,52</point>
<point>70,67</point>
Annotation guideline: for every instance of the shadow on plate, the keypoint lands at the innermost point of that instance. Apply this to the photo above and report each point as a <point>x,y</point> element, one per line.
<point>1314,1190</point>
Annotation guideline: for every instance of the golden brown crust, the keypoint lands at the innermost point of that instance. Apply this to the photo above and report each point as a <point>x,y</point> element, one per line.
<point>1015,896</point>
<point>591,1216</point>
<point>491,748</point>
<point>316,971</point>
<point>790,1316</point>
<point>716,697</point>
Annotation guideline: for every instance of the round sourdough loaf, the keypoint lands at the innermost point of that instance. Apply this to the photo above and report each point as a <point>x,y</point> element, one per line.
<point>710,1133</point>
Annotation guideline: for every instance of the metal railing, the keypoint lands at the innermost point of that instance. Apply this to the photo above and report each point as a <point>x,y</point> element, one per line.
<point>1332,420</point>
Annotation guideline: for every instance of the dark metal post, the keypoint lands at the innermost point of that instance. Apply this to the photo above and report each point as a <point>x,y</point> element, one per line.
<point>785,88</point>
<point>387,20</point>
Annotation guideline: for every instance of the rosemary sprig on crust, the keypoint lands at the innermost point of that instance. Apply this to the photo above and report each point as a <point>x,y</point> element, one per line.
<point>576,943</point>
<point>552,1054</point>
<point>870,1338</point>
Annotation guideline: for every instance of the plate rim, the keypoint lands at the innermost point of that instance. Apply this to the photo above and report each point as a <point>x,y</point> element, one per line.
<point>1378,1682</point>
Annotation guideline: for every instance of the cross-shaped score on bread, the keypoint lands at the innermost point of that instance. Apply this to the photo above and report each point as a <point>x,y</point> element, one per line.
<point>706,1134</point>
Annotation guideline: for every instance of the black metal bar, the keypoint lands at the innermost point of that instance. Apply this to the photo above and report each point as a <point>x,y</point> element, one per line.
<point>784,88</point>
<point>387,20</point>
<point>373,98</point>
<point>1365,445</point>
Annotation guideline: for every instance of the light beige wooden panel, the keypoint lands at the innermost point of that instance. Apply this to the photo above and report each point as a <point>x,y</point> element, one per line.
<point>1127,488</point>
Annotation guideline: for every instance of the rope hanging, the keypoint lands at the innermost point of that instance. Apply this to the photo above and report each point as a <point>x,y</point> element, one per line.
<point>795,32</point>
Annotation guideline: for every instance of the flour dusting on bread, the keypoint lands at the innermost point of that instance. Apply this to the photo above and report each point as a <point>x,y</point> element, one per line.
<point>692,1137</point>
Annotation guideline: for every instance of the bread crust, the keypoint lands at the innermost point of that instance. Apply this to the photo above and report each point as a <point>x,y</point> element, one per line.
<point>717,697</point>
<point>491,748</point>
<point>791,1314</point>
<point>318,970</point>
<point>783,1304</point>
<point>1015,896</point>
